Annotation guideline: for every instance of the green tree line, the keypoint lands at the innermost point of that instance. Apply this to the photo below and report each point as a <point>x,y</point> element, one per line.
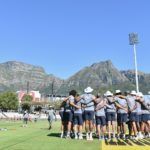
<point>8,101</point>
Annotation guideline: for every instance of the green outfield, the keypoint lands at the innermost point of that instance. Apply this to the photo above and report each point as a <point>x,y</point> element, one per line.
<point>37,137</point>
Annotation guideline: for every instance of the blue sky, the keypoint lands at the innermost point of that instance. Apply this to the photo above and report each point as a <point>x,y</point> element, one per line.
<point>64,36</point>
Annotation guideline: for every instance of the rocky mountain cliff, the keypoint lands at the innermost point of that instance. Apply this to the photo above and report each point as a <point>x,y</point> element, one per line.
<point>15,76</point>
<point>100,76</point>
<point>144,79</point>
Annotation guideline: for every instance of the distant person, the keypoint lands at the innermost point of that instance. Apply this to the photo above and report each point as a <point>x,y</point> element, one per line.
<point>78,120</point>
<point>25,118</point>
<point>111,114</point>
<point>51,114</point>
<point>88,99</point>
<point>132,107</point>
<point>100,117</point>
<point>68,111</point>
<point>145,107</point>
<point>61,113</point>
<point>122,113</point>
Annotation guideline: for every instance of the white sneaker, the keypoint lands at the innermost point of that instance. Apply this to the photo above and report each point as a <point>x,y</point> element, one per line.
<point>91,137</point>
<point>80,137</point>
<point>114,136</point>
<point>61,136</point>
<point>131,137</point>
<point>68,137</point>
<point>118,136</point>
<point>124,136</point>
<point>75,135</point>
<point>136,138</point>
<point>140,136</point>
<point>87,136</point>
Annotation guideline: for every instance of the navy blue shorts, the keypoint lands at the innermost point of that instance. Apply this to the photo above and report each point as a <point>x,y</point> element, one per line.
<point>110,116</point>
<point>83,117</point>
<point>94,121</point>
<point>122,118</point>
<point>145,117</point>
<point>78,120</point>
<point>88,115</point>
<point>68,116</point>
<point>133,116</point>
<point>139,118</point>
<point>101,120</point>
<point>61,113</point>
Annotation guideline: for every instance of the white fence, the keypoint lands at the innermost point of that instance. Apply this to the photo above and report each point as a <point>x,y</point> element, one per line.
<point>15,115</point>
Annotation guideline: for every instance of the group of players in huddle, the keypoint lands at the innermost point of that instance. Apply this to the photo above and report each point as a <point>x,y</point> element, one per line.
<point>110,116</point>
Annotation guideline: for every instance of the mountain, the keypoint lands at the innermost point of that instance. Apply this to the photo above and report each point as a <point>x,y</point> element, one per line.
<point>103,76</point>
<point>100,76</point>
<point>16,75</point>
<point>143,78</point>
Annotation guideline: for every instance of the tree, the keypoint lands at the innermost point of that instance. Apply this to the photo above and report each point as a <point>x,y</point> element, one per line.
<point>27,98</point>
<point>55,104</point>
<point>8,101</point>
<point>26,106</point>
<point>38,108</point>
<point>26,102</point>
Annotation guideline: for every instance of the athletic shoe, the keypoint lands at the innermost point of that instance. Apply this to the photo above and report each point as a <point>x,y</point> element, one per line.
<point>118,136</point>
<point>124,136</point>
<point>114,136</point>
<point>61,136</point>
<point>140,136</point>
<point>68,137</point>
<point>131,137</point>
<point>109,137</point>
<point>91,137</point>
<point>136,138</point>
<point>87,136</point>
<point>80,137</point>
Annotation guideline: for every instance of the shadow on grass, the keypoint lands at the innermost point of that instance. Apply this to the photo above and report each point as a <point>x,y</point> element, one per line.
<point>129,142</point>
<point>54,135</point>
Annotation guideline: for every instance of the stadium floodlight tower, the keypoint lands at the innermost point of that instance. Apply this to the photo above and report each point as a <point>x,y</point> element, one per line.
<point>133,40</point>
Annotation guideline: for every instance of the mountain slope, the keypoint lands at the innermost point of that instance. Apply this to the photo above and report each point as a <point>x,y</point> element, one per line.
<point>98,75</point>
<point>15,76</point>
<point>144,79</point>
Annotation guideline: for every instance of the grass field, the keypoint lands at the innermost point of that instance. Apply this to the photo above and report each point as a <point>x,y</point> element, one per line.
<point>37,137</point>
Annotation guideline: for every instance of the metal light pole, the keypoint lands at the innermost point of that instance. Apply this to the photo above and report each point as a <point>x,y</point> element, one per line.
<point>133,40</point>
